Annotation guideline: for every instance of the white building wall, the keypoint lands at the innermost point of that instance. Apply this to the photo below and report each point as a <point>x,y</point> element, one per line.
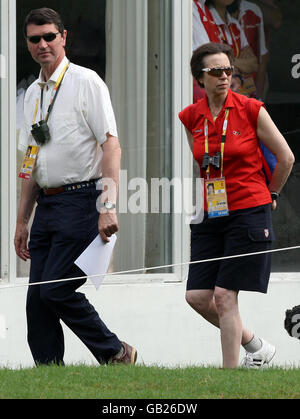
<point>156,320</point>
<point>151,316</point>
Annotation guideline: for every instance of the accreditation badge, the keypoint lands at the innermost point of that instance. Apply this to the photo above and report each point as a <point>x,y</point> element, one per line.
<point>29,162</point>
<point>216,196</point>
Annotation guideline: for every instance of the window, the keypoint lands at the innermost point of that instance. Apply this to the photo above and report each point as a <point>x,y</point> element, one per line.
<point>2,76</point>
<point>86,46</point>
<point>8,144</point>
<point>283,103</point>
<point>131,45</point>
<point>282,100</point>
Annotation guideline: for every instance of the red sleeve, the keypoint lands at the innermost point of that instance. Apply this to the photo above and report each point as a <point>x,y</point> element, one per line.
<point>253,108</point>
<point>185,118</point>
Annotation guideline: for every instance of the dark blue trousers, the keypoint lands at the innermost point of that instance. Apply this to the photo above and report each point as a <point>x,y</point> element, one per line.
<point>64,225</point>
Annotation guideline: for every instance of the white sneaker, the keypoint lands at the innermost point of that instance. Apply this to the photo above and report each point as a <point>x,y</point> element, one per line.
<point>259,358</point>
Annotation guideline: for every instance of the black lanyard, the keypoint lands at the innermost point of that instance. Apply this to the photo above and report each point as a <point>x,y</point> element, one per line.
<point>53,99</point>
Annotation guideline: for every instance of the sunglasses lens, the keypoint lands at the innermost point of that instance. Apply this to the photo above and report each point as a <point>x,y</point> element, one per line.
<point>34,39</point>
<point>228,71</point>
<point>217,72</point>
<point>49,37</point>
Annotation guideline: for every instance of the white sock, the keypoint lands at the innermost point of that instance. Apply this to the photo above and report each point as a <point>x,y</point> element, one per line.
<point>254,345</point>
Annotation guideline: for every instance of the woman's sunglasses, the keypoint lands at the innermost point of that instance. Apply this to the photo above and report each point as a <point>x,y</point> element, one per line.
<point>217,72</point>
<point>48,37</point>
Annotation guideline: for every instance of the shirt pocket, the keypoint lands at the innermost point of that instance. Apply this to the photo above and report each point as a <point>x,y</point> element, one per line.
<point>64,128</point>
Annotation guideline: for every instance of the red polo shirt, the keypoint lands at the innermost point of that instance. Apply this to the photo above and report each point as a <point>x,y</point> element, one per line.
<point>245,181</point>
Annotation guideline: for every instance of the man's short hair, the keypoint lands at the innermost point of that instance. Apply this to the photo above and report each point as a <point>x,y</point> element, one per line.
<point>44,16</point>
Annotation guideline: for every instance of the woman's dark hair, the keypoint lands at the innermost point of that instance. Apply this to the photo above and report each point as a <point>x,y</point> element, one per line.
<point>208,49</point>
<point>42,17</point>
<point>231,8</point>
<point>234,6</point>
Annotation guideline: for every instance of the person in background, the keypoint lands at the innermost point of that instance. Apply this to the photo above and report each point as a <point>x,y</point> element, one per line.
<point>204,30</point>
<point>223,131</point>
<point>272,17</point>
<point>251,20</point>
<point>212,22</point>
<point>204,26</point>
<point>77,142</point>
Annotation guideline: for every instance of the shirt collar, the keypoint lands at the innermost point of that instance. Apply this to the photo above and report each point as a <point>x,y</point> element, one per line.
<point>229,100</point>
<point>242,10</point>
<point>203,107</point>
<point>54,77</point>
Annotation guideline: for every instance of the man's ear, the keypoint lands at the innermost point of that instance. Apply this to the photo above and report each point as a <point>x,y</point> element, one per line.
<point>65,37</point>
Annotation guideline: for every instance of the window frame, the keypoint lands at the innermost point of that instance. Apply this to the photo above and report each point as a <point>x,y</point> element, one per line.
<point>181,158</point>
<point>8,141</point>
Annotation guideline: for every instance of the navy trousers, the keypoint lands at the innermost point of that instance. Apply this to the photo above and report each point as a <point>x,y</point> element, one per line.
<point>64,225</point>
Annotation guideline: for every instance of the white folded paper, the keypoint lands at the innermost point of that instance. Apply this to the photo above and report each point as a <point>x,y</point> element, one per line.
<point>96,259</point>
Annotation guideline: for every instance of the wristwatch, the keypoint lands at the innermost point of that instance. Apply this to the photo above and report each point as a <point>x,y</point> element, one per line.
<point>107,205</point>
<point>275,195</point>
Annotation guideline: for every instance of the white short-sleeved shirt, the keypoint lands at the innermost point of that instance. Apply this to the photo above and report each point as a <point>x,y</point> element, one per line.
<point>79,122</point>
<point>231,20</point>
<point>251,21</point>
<point>200,35</point>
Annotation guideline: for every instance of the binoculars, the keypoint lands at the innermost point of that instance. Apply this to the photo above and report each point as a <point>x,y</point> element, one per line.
<point>41,133</point>
<point>215,161</point>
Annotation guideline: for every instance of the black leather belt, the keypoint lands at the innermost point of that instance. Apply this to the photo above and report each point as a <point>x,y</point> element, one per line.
<point>71,187</point>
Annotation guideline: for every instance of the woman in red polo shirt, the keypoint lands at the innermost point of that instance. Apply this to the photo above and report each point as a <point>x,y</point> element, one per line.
<point>223,131</point>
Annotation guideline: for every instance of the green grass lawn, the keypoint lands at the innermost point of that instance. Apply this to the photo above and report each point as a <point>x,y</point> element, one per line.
<point>140,382</point>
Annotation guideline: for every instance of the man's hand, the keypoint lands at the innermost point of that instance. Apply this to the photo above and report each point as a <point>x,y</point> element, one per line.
<point>20,241</point>
<point>107,225</point>
<point>29,193</point>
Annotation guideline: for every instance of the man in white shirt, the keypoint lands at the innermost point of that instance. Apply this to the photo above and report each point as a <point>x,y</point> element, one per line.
<point>79,146</point>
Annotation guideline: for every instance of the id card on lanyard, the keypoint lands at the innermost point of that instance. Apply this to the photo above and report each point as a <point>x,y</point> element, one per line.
<point>216,196</point>
<point>29,162</point>
<point>31,154</point>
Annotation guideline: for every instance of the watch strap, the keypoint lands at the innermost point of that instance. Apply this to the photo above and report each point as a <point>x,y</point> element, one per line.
<point>275,196</point>
<point>107,205</point>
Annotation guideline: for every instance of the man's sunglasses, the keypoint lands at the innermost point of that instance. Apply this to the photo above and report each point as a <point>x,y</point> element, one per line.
<point>217,72</point>
<point>48,37</point>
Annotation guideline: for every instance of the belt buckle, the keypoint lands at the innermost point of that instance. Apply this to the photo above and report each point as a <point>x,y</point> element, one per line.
<point>54,191</point>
